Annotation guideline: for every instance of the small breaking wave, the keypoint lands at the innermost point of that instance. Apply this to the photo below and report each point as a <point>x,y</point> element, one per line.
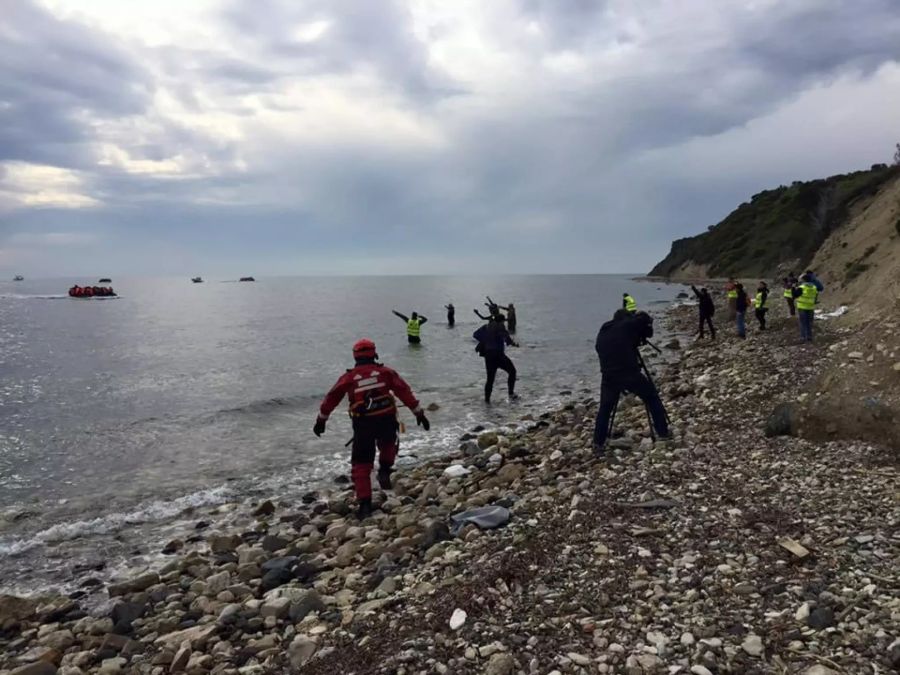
<point>21,296</point>
<point>149,512</point>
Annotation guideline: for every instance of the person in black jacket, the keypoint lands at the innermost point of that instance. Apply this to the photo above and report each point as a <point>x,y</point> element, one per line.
<point>707,310</point>
<point>493,339</point>
<point>761,303</point>
<point>620,364</point>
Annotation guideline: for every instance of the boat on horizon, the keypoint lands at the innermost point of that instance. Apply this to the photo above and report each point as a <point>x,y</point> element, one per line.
<point>246,279</point>
<point>18,277</point>
<point>105,280</point>
<point>197,280</point>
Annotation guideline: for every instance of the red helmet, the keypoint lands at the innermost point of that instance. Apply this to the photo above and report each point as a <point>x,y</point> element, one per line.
<point>364,349</point>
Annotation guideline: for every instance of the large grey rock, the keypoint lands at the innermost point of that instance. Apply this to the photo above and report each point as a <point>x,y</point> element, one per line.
<point>37,668</point>
<point>301,650</point>
<point>14,609</point>
<point>782,421</point>
<point>500,664</point>
<point>310,601</point>
<point>135,585</point>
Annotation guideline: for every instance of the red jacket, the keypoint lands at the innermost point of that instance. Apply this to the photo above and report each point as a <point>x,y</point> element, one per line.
<point>369,388</point>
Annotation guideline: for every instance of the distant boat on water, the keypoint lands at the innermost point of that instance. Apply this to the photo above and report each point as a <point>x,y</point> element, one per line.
<point>197,280</point>
<point>246,279</point>
<point>104,280</point>
<point>18,277</point>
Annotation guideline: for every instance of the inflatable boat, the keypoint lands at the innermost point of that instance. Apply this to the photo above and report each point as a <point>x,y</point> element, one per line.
<point>92,292</point>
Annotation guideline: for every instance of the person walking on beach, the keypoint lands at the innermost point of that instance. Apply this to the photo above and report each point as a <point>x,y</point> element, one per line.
<point>369,386</point>
<point>451,315</point>
<point>741,302</point>
<point>493,338</point>
<point>617,347</point>
<point>806,295</point>
<point>707,309</point>
<point>789,295</point>
<point>414,325</point>
<point>731,293</point>
<point>761,304</point>
<point>628,303</point>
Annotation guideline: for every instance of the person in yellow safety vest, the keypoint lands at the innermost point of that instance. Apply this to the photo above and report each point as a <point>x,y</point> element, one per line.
<point>789,295</point>
<point>761,303</point>
<point>731,292</point>
<point>805,297</point>
<point>414,325</point>
<point>628,303</point>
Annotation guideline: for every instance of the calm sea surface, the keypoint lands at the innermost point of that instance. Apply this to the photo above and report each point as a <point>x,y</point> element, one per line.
<point>116,415</point>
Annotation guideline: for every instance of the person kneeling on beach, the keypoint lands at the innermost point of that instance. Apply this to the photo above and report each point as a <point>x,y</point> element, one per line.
<point>620,365</point>
<point>369,386</point>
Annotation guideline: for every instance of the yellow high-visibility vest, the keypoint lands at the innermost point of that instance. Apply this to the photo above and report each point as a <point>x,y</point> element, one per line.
<point>413,327</point>
<point>630,304</point>
<point>807,301</point>
<point>759,303</point>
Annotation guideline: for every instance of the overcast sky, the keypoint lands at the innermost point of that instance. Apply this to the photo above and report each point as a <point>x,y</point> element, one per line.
<point>226,137</point>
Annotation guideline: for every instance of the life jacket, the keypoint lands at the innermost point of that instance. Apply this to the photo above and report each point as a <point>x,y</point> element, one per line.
<point>788,293</point>
<point>370,395</point>
<point>413,327</point>
<point>732,294</point>
<point>630,304</point>
<point>807,301</point>
<point>761,301</point>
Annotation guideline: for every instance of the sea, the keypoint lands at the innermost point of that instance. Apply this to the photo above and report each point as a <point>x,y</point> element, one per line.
<point>120,417</point>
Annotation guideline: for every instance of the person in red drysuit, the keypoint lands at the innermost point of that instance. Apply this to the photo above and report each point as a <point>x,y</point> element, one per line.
<point>373,410</point>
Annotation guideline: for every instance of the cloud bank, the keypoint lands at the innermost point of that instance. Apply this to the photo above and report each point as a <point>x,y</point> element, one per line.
<point>418,136</point>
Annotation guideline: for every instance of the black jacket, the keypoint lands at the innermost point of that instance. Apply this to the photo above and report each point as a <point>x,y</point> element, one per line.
<point>742,301</point>
<point>618,341</point>
<point>707,306</point>
<point>493,337</point>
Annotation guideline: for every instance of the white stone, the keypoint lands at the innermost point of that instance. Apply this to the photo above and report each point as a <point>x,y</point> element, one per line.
<point>753,645</point>
<point>457,619</point>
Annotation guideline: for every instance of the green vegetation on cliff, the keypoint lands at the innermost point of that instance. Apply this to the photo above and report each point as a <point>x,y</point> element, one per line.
<point>776,228</point>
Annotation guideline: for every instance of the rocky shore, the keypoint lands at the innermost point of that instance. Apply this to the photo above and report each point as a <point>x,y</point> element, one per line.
<point>723,550</point>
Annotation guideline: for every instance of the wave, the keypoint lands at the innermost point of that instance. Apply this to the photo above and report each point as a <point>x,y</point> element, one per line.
<point>148,512</point>
<point>270,404</point>
<point>20,296</point>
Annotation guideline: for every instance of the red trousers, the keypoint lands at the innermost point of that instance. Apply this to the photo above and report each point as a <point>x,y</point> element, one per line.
<point>371,433</point>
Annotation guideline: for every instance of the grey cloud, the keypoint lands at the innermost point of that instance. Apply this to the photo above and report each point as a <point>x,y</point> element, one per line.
<point>57,76</point>
<point>373,34</point>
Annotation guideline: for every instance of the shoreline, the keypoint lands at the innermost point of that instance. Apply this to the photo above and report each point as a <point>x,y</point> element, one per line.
<point>595,557</point>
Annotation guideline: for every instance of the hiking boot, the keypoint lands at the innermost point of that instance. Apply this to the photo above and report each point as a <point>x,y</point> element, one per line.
<point>513,396</point>
<point>598,450</point>
<point>384,478</point>
<point>365,508</point>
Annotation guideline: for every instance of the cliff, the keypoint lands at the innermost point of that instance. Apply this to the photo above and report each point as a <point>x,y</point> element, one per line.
<point>781,229</point>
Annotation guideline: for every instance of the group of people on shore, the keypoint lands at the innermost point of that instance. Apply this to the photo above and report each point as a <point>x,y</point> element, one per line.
<point>801,296</point>
<point>371,386</point>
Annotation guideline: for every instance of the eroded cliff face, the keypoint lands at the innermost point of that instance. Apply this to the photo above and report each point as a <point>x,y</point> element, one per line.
<point>787,228</point>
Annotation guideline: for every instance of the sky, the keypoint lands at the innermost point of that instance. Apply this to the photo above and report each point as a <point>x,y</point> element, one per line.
<point>267,137</point>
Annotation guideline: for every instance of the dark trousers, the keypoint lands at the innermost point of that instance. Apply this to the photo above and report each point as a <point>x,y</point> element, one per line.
<point>413,339</point>
<point>451,318</point>
<point>706,320</point>
<point>611,387</point>
<point>494,361</point>
<point>806,324</point>
<point>791,307</point>
<point>761,317</point>
<point>369,433</point>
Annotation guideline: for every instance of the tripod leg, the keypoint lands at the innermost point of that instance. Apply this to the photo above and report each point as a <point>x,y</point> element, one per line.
<point>612,421</point>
